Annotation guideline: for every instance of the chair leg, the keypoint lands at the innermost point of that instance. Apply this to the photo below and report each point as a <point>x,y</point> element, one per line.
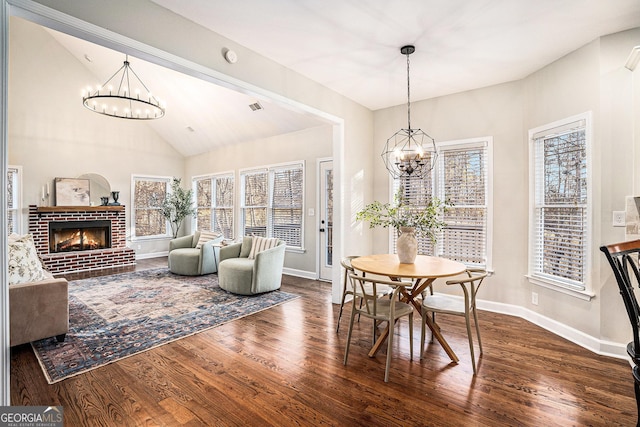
<point>389,348</point>
<point>373,335</point>
<point>423,333</point>
<point>473,357</point>
<point>635,371</point>
<point>346,350</point>
<point>344,296</point>
<point>411,334</point>
<point>475,319</point>
<point>636,387</point>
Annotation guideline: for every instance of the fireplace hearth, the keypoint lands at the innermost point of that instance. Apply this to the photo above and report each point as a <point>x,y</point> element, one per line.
<point>69,236</point>
<point>89,238</point>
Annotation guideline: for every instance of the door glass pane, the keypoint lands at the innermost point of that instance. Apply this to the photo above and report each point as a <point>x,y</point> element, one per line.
<point>329,216</point>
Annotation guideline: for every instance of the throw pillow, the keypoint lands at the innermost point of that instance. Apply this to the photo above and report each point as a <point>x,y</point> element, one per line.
<point>24,264</point>
<point>260,244</point>
<point>205,236</point>
<point>245,248</point>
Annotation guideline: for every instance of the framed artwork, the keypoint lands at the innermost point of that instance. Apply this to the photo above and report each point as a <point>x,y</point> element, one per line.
<point>72,192</point>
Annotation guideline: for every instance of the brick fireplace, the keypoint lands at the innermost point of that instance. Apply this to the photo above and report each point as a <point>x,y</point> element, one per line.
<point>44,219</point>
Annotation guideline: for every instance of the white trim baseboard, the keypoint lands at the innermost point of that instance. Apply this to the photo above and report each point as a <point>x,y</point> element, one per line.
<point>300,273</point>
<point>598,346</point>
<point>152,255</point>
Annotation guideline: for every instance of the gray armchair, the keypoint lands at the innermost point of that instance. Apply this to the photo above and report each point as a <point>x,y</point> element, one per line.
<point>187,259</point>
<point>242,275</point>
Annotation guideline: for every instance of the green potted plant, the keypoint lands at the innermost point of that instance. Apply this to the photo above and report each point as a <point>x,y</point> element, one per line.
<point>177,205</point>
<point>407,219</point>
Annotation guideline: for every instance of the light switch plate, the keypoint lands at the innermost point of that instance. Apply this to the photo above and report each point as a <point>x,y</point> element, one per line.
<point>619,219</point>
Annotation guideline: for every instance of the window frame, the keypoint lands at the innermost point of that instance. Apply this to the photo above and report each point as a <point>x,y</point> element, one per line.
<point>17,200</point>
<point>139,177</point>
<point>214,182</point>
<point>437,188</point>
<point>559,127</point>
<point>270,170</point>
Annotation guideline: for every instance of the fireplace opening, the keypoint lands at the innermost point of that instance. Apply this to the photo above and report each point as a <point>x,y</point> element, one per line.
<point>68,236</point>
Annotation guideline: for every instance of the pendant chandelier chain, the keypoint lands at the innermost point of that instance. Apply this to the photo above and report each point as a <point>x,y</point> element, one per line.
<point>408,96</point>
<point>409,152</point>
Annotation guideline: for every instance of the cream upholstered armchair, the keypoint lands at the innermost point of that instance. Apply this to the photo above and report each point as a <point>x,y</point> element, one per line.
<point>253,266</point>
<point>195,254</point>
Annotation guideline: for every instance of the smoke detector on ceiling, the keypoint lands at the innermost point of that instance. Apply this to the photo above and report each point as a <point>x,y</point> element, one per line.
<point>231,56</point>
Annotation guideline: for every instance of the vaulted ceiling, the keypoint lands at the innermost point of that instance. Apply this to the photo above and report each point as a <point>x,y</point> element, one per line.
<point>353,47</point>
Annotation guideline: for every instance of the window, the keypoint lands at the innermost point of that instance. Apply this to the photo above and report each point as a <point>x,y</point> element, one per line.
<point>214,203</point>
<point>255,195</point>
<point>286,205</point>
<point>14,189</point>
<point>148,193</point>
<point>461,177</point>
<point>462,181</point>
<point>560,194</point>
<point>272,203</point>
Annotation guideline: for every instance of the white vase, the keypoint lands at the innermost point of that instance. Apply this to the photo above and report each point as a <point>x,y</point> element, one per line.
<point>407,245</point>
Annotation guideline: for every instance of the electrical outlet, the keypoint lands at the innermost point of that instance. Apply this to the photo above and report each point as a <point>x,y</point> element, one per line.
<point>534,298</point>
<point>619,219</point>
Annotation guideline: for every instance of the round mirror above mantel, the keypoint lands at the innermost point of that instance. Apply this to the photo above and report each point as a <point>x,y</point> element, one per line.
<point>98,187</point>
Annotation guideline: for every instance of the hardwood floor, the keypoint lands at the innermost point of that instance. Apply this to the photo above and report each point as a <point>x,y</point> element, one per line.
<point>283,366</point>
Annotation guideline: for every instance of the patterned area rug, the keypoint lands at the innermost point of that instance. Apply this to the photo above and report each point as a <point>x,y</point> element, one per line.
<point>113,317</point>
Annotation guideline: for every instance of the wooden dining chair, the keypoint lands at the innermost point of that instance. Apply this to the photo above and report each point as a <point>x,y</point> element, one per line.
<point>624,260</point>
<point>347,288</point>
<point>433,303</point>
<point>380,310</point>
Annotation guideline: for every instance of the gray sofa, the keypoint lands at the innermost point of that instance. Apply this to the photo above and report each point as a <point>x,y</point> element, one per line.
<point>240,274</point>
<point>38,310</point>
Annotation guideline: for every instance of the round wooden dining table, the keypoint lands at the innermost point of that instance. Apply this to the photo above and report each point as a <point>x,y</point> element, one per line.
<point>423,272</point>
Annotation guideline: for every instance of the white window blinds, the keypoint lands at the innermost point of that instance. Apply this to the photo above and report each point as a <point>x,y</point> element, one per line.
<point>273,203</point>
<point>214,203</point>
<point>255,198</point>
<point>13,199</point>
<point>461,177</point>
<point>148,196</point>
<point>559,241</point>
<point>462,183</point>
<point>223,205</point>
<point>286,205</point>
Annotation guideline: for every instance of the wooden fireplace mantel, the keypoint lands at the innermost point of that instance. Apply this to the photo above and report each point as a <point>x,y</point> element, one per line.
<point>42,209</point>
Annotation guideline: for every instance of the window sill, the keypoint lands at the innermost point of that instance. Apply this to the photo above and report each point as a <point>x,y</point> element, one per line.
<point>296,250</point>
<point>556,286</point>
<point>146,239</point>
